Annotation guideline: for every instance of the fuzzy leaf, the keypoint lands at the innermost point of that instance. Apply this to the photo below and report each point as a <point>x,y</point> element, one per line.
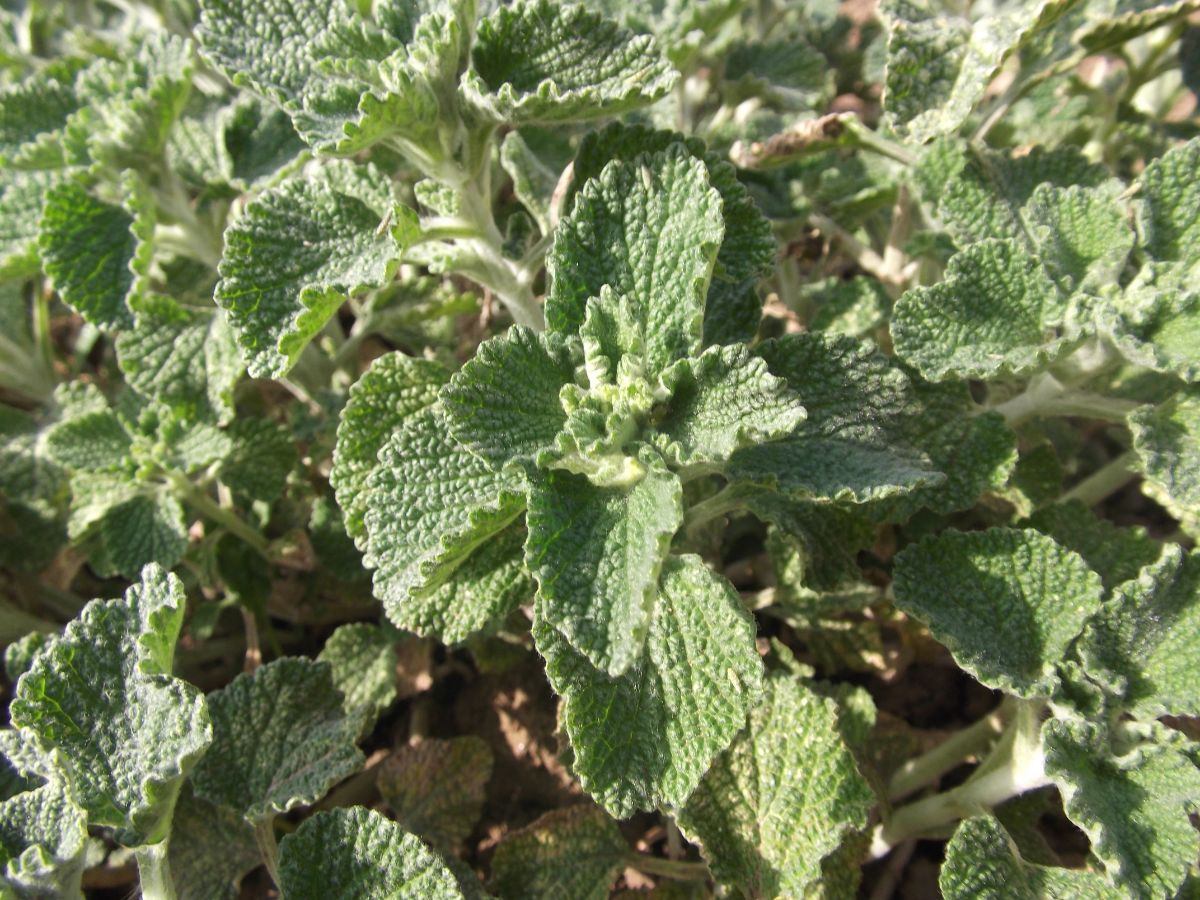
<point>1142,643</point>
<point>299,250</point>
<point>534,180</point>
<point>1115,553</point>
<point>983,863</point>
<point>650,230</point>
<point>363,659</point>
<point>281,739</point>
<point>542,62</point>
<point>33,114</point>
<point>848,449</point>
<point>573,852</point>
<point>22,198</point>
<point>148,528</point>
<point>1134,807</point>
<point>1167,441</point>
<point>103,695</point>
<point>389,392</point>
<point>92,442</point>
<point>994,314</point>
<point>360,855</point>
<point>430,504</point>
<point>1170,219</point>
<point>212,848</point>
<point>1082,235</point>
<point>436,788</point>
<point>503,404</point>
<point>1006,602</point>
<point>596,553</point>
<point>722,401</point>
<point>262,455</point>
<point>781,798</point>
<point>1155,321</point>
<point>644,739</point>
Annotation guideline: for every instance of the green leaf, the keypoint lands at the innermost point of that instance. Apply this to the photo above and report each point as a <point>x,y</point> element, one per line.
<point>650,230</point>
<point>938,67</point>
<point>33,114</point>
<point>363,660</point>
<point>1082,234</point>
<point>281,739</point>
<point>22,198</point>
<point>534,179</point>
<point>644,739</point>
<point>722,401</point>
<point>1167,441</point>
<point>477,597</point>
<point>185,358</point>
<point>503,404</point>
<point>1142,641</point>
<point>596,553</point>
<point>1155,321</point>
<point>103,695</point>
<point>1115,553</point>
<point>262,456</point>
<point>19,654</point>
<point>848,449</point>
<point>1006,602</point>
<point>576,852</point>
<point>825,537</point>
<point>211,850</point>
<point>430,504</point>
<point>541,62</point>
<point>1170,203</point>
<point>732,309</point>
<point>93,442</point>
<point>994,314</point>
<point>365,856</point>
<point>299,250</point>
<point>148,528</point>
<point>1133,807</point>
<point>781,798</point>
<point>389,392</point>
<point>983,863</point>
<point>436,788</point>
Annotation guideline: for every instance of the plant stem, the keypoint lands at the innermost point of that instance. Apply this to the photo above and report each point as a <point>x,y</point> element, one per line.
<point>973,739</point>
<point>724,501</point>
<point>1105,482</point>
<point>264,837</point>
<point>154,872</point>
<point>197,498</point>
<point>669,868</point>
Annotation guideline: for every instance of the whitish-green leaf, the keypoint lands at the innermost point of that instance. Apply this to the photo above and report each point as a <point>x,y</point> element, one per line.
<point>781,798</point>
<point>436,788</point>
<point>43,828</point>
<point>848,449</point>
<point>983,863</point>
<point>938,67</point>
<point>392,389</point>
<point>477,597</point>
<point>1155,321</point>
<point>1082,235</point>
<point>91,250</point>
<point>262,456</point>
<point>644,739</point>
<point>650,230</point>
<point>573,852</point>
<point>299,250</point>
<point>722,401</point>
<point>732,309</point>
<point>147,528</point>
<point>22,198</point>
<point>1006,602</point>
<point>534,179</point>
<point>1167,441</point>
<point>503,404</point>
<point>537,61</point>
<point>1142,643</point>
<point>1134,807</point>
<point>184,358</point>
<point>33,113</point>
<point>1115,553</point>
<point>93,442</point>
<point>103,695</point>
<point>19,654</point>
<point>995,314</point>
<point>363,659</point>
<point>360,855</point>
<point>851,306</point>
<point>212,848</point>
<point>1171,205</point>
<point>430,504</point>
<point>596,553</point>
<point>281,739</point>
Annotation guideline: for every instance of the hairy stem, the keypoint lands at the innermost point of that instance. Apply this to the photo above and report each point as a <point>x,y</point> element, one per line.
<point>264,837</point>
<point>198,499</point>
<point>1104,482</point>
<point>973,739</point>
<point>154,871</point>
<point>668,868</point>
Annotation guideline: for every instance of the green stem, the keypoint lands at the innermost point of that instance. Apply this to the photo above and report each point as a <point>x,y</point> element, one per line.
<point>668,868</point>
<point>973,739</point>
<point>1105,482</point>
<point>154,872</point>
<point>198,499</point>
<point>719,504</point>
<point>264,837</point>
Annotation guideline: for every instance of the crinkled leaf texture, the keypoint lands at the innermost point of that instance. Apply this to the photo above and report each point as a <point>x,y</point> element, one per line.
<point>644,739</point>
<point>212,848</point>
<point>781,798</point>
<point>281,739</point>
<point>363,659</point>
<point>103,695</point>
<point>299,250</point>
<point>1170,204</point>
<point>537,61</point>
<point>574,852</point>
<point>1006,602</point>
<point>357,854</point>
<point>1167,441</point>
<point>983,863</point>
